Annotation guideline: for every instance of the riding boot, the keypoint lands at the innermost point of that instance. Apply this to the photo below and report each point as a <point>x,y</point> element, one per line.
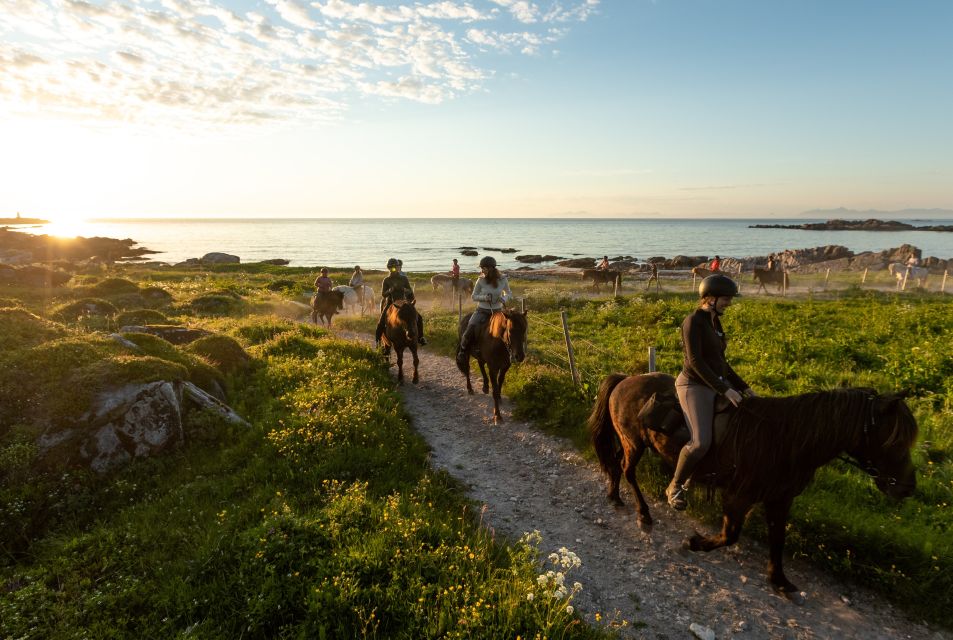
<point>462,352</point>
<point>677,491</point>
<point>420,331</point>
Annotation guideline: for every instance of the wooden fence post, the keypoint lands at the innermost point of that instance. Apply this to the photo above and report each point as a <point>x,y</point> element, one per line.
<point>572,356</point>
<point>943,284</point>
<point>522,305</point>
<point>906,274</point>
<point>651,359</point>
<point>615,288</point>
<point>827,276</point>
<point>459,307</point>
<point>863,279</point>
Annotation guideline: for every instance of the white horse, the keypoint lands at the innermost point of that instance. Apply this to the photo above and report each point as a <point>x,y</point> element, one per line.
<point>903,272</point>
<point>353,302</point>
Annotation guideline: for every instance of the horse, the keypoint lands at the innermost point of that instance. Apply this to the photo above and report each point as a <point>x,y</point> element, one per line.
<point>443,281</point>
<point>602,276</point>
<point>903,272</point>
<point>400,332</point>
<point>767,453</point>
<point>353,300</point>
<point>765,277</point>
<point>501,341</point>
<point>326,306</point>
<point>702,272</point>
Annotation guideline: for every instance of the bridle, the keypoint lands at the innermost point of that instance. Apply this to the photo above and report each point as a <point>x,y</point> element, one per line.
<point>865,464</point>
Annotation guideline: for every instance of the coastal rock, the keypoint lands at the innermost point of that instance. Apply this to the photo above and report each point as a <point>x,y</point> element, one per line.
<point>871,224</point>
<point>15,256</point>
<point>51,248</point>
<point>536,258</point>
<point>578,263</point>
<point>685,262</point>
<point>276,261</point>
<point>470,252</point>
<point>219,258</point>
<point>41,277</point>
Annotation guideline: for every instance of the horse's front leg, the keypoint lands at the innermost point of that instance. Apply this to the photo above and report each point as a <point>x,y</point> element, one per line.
<point>314,317</point>
<point>466,374</point>
<point>486,381</point>
<point>733,519</point>
<point>776,513</point>
<point>400,365</point>
<point>629,464</point>
<point>413,352</point>
<point>495,379</point>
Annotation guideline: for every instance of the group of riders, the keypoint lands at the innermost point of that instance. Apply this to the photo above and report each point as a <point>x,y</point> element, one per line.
<point>490,292</point>
<point>705,372</point>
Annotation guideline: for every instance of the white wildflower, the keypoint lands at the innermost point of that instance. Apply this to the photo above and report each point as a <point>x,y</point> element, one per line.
<point>569,608</point>
<point>530,596</point>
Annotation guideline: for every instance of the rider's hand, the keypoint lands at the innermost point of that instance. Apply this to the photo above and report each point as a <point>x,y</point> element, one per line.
<point>734,396</point>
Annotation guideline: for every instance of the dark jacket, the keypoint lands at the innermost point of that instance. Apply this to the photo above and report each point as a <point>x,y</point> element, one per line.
<point>396,286</point>
<point>703,342</point>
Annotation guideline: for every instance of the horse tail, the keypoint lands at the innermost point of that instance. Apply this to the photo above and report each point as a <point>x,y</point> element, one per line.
<point>601,429</point>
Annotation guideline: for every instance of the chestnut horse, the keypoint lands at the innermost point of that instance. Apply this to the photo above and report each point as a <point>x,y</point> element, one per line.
<point>500,341</point>
<point>765,277</point>
<point>326,306</point>
<point>602,276</point>
<point>443,281</point>
<point>768,453</point>
<point>400,332</point>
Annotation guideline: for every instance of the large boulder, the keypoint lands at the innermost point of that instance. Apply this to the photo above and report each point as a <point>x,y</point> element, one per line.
<point>219,258</point>
<point>578,263</point>
<point>132,421</point>
<point>536,258</point>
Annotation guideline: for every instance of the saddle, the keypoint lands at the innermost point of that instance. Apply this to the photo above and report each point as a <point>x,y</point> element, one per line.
<point>663,413</point>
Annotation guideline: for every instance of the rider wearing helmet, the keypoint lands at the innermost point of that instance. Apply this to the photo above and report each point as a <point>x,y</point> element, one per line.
<point>357,283</point>
<point>705,374</point>
<point>491,290</point>
<point>396,286</point>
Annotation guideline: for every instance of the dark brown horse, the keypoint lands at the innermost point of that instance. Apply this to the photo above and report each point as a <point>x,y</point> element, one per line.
<point>443,281</point>
<point>768,452</point>
<point>602,276</point>
<point>326,306</point>
<point>500,341</point>
<point>764,277</point>
<point>400,332</point>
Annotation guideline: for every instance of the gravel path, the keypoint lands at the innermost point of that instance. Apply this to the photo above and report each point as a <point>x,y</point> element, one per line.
<point>531,481</point>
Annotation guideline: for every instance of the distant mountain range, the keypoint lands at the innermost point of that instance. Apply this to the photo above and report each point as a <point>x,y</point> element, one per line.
<point>843,212</point>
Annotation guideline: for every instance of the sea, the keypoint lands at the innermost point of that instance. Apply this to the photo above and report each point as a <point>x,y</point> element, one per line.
<point>430,244</point>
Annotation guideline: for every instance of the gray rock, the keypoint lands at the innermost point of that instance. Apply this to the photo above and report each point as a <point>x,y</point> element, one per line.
<point>220,258</point>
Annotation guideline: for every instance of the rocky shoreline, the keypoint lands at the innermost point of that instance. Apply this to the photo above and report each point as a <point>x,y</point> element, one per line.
<point>872,224</point>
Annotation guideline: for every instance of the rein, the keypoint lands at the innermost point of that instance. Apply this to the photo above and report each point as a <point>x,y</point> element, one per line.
<point>866,465</point>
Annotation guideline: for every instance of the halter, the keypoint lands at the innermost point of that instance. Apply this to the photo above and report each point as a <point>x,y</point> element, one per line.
<point>865,464</point>
<point>507,337</point>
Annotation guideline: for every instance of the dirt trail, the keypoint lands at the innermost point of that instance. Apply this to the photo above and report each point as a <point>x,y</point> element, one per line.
<point>530,481</point>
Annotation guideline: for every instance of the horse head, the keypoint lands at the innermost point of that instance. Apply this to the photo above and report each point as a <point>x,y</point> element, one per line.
<point>405,314</point>
<point>889,433</point>
<point>515,334</point>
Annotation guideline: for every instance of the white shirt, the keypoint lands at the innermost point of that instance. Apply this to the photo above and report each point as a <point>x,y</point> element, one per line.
<point>489,297</point>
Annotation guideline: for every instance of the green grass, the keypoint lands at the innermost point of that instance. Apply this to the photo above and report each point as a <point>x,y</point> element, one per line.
<point>321,520</point>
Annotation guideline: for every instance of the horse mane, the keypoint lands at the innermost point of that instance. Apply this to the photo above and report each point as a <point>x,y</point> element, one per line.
<point>503,323</point>
<point>779,442</point>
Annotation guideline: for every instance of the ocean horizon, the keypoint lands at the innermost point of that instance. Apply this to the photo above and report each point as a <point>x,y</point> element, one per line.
<point>429,244</point>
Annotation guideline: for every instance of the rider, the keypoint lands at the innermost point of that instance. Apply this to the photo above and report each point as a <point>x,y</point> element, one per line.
<point>323,283</point>
<point>490,291</point>
<point>396,286</point>
<point>455,275</point>
<point>604,265</point>
<point>357,283</point>
<point>771,263</point>
<point>716,264</point>
<point>705,374</point>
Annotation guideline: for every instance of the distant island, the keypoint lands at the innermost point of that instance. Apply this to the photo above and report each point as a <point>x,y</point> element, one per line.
<point>21,220</point>
<point>855,214</point>
<point>871,224</point>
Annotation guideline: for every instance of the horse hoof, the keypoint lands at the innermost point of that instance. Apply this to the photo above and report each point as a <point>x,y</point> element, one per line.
<point>416,380</point>
<point>645,524</point>
<point>792,594</point>
<point>616,501</point>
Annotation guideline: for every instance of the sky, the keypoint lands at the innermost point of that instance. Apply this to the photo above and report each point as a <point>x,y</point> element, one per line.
<point>469,108</point>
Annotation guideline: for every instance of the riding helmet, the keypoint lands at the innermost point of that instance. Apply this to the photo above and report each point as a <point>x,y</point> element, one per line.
<point>488,261</point>
<point>324,271</point>
<point>392,264</point>
<point>718,285</point>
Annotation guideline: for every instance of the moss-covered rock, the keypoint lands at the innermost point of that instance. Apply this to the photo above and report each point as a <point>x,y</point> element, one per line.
<point>282,285</point>
<point>113,287</point>
<point>84,307</point>
<point>215,304</point>
<point>20,328</point>
<point>140,317</point>
<point>202,374</point>
<point>225,353</point>
<point>155,297</point>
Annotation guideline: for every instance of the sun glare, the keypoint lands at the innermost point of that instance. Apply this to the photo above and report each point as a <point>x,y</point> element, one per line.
<point>68,227</point>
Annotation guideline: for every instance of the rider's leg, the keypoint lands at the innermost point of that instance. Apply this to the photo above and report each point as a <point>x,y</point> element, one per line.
<point>698,405</point>
<point>380,325</point>
<point>470,333</point>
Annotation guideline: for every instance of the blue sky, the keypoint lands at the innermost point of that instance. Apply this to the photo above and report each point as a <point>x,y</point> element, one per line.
<point>468,108</point>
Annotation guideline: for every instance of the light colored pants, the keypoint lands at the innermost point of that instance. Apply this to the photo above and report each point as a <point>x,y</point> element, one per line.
<point>698,405</point>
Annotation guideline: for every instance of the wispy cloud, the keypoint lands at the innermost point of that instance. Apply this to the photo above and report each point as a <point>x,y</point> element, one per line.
<point>725,187</point>
<point>201,62</point>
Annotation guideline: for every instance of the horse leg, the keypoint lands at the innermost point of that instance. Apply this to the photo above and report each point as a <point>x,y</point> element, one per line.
<point>776,513</point>
<point>413,352</point>
<point>734,510</point>
<point>629,464</point>
<point>314,316</point>
<point>400,364</point>
<point>495,379</point>
<point>486,382</point>
<point>466,374</point>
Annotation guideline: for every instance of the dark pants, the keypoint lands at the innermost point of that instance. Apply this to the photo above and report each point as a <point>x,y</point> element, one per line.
<point>477,320</point>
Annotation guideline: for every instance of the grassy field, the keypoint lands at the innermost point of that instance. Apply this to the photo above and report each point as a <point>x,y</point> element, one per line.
<point>322,520</point>
<point>811,340</point>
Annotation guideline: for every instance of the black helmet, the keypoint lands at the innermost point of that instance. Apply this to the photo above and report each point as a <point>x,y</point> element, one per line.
<point>324,270</point>
<point>718,285</point>
<point>488,261</point>
<point>357,267</point>
<point>392,263</point>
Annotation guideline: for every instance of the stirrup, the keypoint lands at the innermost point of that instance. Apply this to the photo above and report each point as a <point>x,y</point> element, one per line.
<point>678,498</point>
